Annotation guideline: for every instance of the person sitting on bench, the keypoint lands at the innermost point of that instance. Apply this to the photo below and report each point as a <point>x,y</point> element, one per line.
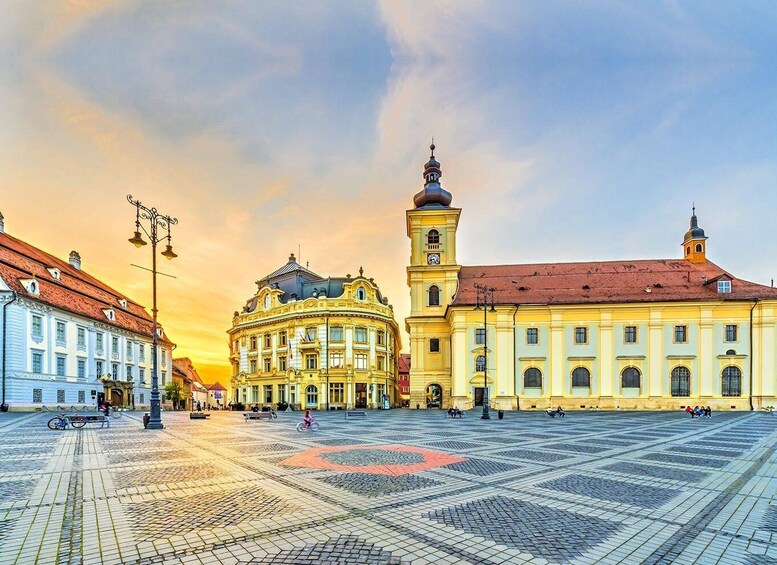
<point>454,412</point>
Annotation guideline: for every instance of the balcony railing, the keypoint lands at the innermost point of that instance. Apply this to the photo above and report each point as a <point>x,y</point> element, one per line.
<point>433,247</point>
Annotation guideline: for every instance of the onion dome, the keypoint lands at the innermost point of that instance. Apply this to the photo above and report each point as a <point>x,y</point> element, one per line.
<point>433,194</point>
<point>695,232</point>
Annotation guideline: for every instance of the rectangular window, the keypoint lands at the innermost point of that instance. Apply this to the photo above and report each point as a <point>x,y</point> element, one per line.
<point>336,393</point>
<point>37,395</point>
<point>252,345</point>
<point>336,333</point>
<point>115,371</point>
<point>680,334</point>
<point>282,363</point>
<point>336,360</point>
<point>163,354</point>
<point>731,332</point>
<point>60,366</point>
<point>81,397</point>
<point>164,378</point>
<point>380,364</point>
<point>37,362</point>
<point>532,336</point>
<point>266,364</point>
<point>142,398</point>
<point>630,334</point>
<point>381,338</point>
<point>311,334</point>
<point>82,368</point>
<point>434,345</point>
<point>255,393</point>
<point>281,393</point>
<point>129,374</point>
<point>98,343</point>
<point>81,338</point>
<point>267,341</point>
<point>361,335</point>
<point>268,394</point>
<point>142,352</point>
<point>114,344</point>
<point>311,361</point>
<point>60,333</point>
<point>360,361</point>
<point>129,350</point>
<point>480,336</point>
<point>37,326</point>
<point>252,366</point>
<point>581,335</point>
<point>724,287</point>
<point>282,337</point>
<point>142,375</point>
<point>60,395</point>
<point>98,368</point>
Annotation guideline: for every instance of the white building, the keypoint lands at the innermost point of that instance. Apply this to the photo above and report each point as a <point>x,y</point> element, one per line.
<point>68,339</point>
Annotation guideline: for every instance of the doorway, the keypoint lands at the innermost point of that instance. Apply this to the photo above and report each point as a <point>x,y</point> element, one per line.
<point>434,396</point>
<point>361,395</point>
<point>479,393</point>
<point>311,396</point>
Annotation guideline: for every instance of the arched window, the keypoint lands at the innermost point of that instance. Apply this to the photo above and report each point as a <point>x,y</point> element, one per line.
<point>361,294</point>
<point>480,363</point>
<point>434,295</point>
<point>732,382</point>
<point>688,250</point>
<point>433,237</point>
<point>681,381</point>
<point>581,377</point>
<point>699,248</point>
<point>532,378</point>
<point>630,378</point>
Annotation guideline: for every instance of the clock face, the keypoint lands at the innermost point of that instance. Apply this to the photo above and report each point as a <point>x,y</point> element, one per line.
<point>433,259</point>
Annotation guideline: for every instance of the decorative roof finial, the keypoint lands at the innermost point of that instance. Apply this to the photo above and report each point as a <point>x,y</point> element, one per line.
<point>432,147</point>
<point>361,271</point>
<point>694,209</point>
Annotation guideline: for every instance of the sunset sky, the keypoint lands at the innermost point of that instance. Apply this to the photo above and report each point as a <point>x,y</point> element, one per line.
<point>566,131</point>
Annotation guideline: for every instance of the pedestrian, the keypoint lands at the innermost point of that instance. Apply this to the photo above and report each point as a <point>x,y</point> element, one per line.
<point>199,406</point>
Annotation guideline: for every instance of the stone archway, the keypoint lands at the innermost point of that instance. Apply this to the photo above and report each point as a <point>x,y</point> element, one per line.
<point>433,396</point>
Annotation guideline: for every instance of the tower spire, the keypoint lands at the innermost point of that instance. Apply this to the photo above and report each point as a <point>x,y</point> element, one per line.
<point>695,242</point>
<point>433,193</point>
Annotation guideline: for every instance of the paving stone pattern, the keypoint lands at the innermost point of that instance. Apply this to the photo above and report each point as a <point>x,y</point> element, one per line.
<point>594,487</point>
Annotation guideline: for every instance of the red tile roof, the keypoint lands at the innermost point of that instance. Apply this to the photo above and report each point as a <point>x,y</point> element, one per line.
<point>185,366</point>
<point>605,282</point>
<point>215,386</point>
<point>76,291</point>
<point>404,362</point>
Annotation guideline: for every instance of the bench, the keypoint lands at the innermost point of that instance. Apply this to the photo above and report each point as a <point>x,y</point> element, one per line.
<point>198,416</point>
<point>94,418</point>
<point>257,416</point>
<point>356,415</point>
<point>459,414</point>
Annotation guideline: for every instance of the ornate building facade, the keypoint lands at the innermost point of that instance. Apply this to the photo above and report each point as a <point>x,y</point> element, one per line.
<point>68,339</point>
<point>644,334</point>
<point>315,342</point>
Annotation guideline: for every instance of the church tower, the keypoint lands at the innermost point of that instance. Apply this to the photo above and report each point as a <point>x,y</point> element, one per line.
<point>433,279</point>
<point>695,242</point>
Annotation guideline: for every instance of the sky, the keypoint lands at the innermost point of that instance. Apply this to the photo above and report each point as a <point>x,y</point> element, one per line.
<point>567,131</point>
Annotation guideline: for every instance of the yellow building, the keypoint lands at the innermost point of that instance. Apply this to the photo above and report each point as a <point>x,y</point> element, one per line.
<point>315,342</point>
<point>645,334</point>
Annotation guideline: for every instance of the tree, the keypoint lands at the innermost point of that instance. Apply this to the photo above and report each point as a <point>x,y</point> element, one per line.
<point>173,393</point>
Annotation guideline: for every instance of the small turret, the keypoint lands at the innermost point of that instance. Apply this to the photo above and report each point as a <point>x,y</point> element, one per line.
<point>433,194</point>
<point>695,242</point>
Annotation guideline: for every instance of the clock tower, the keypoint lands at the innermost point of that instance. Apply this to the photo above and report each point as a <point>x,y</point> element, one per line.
<point>432,276</point>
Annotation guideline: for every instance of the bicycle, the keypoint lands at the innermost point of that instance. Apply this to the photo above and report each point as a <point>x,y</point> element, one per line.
<point>63,421</point>
<point>312,427</point>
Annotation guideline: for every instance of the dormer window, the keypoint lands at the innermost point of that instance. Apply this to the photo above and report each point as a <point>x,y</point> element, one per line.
<point>724,287</point>
<point>54,272</point>
<point>110,314</point>
<point>361,294</point>
<point>122,302</point>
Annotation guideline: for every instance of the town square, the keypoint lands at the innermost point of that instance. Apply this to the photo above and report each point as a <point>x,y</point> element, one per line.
<point>390,282</point>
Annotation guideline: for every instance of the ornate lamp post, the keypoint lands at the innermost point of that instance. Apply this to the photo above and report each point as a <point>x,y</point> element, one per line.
<point>156,221</point>
<point>485,294</point>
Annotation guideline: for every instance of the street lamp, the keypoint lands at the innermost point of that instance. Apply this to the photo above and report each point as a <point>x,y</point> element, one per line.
<point>156,220</point>
<point>485,294</point>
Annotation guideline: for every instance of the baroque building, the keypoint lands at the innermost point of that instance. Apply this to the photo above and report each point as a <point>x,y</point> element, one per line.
<point>315,342</point>
<point>69,339</point>
<point>644,334</point>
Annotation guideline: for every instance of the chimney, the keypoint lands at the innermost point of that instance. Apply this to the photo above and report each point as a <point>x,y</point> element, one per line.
<point>2,224</point>
<point>75,260</point>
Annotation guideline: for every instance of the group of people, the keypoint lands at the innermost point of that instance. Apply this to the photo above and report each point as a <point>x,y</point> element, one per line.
<point>455,413</point>
<point>699,411</point>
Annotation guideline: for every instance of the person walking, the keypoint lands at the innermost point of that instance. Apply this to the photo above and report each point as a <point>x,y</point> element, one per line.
<point>199,406</point>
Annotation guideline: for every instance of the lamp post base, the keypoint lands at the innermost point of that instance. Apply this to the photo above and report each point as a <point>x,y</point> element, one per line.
<point>155,426</point>
<point>486,415</point>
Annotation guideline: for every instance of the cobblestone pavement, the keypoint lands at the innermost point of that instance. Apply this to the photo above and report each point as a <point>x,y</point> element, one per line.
<point>404,486</point>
